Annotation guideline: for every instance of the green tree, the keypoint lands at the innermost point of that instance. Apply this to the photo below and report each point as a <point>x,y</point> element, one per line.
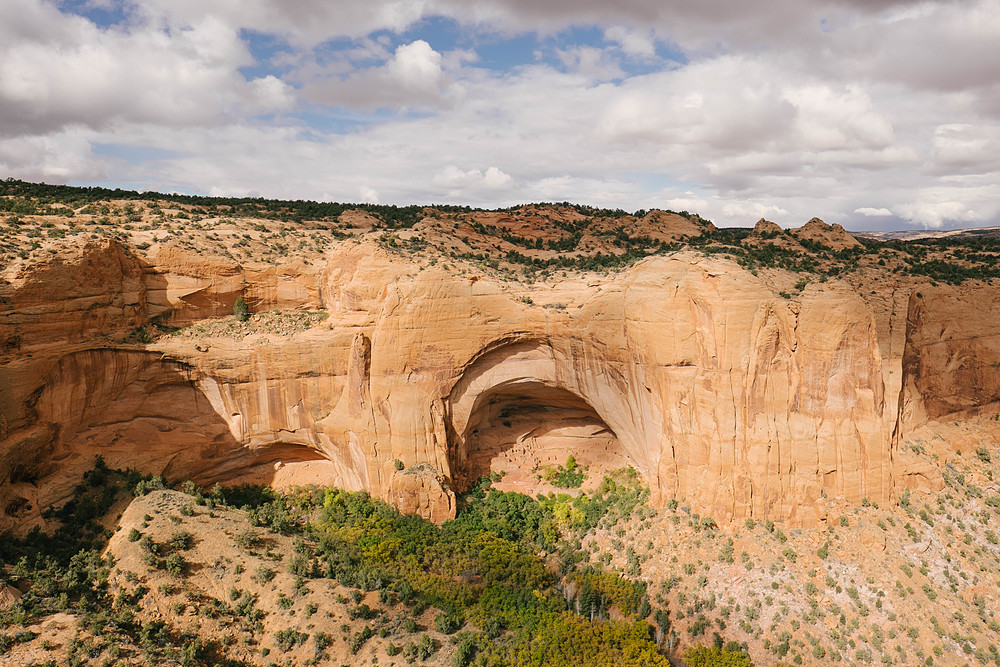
<point>241,310</point>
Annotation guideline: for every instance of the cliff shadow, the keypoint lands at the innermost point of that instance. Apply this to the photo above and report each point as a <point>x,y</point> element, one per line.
<point>139,411</point>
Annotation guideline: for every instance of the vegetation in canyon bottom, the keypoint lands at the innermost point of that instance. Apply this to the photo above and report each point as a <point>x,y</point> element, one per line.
<point>506,583</point>
<point>322,576</point>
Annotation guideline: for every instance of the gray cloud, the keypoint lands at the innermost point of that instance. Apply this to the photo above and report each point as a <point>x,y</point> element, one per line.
<point>58,70</point>
<point>863,112</point>
<point>412,77</point>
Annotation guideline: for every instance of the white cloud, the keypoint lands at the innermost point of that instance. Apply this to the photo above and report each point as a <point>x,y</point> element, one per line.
<point>965,144</point>
<point>272,94</point>
<point>304,22</point>
<point>772,113</point>
<point>417,66</point>
<point>934,214</point>
<point>831,118</point>
<point>962,201</point>
<point>688,201</point>
<point>368,195</point>
<point>752,211</point>
<point>58,71</point>
<point>943,46</point>
<point>455,181</point>
<point>635,43</point>
<point>591,63</point>
<point>413,76</point>
<point>55,157</point>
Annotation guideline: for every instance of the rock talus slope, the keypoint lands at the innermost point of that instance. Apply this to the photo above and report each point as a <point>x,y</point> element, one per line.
<point>715,387</point>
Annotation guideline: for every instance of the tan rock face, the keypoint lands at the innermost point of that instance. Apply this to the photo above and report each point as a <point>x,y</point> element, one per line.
<point>952,361</point>
<point>767,233</point>
<point>832,236</point>
<point>766,227</point>
<point>717,390</point>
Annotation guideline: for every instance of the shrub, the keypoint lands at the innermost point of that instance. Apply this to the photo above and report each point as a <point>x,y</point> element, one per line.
<point>145,486</point>
<point>182,540</point>
<point>322,641</point>
<point>570,476</point>
<point>713,656</point>
<point>360,637</point>
<point>175,564</point>
<point>263,574</point>
<point>241,310</point>
<point>465,651</point>
<point>247,540</point>
<point>448,623</point>
<point>289,639</point>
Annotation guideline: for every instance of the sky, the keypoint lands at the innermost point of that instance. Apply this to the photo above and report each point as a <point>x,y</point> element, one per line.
<point>875,114</point>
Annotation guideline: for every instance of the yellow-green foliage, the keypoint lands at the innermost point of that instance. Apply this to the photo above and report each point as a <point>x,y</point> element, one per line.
<point>612,588</point>
<point>485,567</point>
<point>711,656</point>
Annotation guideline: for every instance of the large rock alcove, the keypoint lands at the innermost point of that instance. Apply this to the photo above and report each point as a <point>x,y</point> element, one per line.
<point>520,409</point>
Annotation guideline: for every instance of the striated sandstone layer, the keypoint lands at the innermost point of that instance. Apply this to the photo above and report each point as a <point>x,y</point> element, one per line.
<point>717,389</point>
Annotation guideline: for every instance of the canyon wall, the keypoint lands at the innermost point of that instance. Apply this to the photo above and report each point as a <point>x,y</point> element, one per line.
<point>717,389</point>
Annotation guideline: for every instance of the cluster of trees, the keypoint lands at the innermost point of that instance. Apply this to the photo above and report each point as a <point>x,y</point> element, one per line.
<point>492,567</point>
<point>34,196</point>
<point>64,572</point>
<point>956,274</point>
<point>489,567</point>
<point>37,195</point>
<point>570,476</point>
<point>951,260</point>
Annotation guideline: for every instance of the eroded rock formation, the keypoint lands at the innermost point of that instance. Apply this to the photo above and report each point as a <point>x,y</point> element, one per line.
<point>717,389</point>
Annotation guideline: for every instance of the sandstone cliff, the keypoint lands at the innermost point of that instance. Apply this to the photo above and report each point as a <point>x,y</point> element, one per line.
<point>718,386</point>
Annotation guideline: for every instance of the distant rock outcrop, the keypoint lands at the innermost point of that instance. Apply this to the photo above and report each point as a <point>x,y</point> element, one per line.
<point>766,232</point>
<point>831,236</point>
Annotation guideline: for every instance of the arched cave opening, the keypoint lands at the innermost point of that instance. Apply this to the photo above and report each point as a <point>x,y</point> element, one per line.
<point>526,430</point>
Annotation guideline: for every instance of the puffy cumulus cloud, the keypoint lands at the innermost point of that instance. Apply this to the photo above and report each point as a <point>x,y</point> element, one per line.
<point>368,195</point>
<point>270,94</point>
<point>724,102</point>
<point>873,212</point>
<point>687,201</point>
<point>58,70</point>
<point>752,210</point>
<point>413,76</point>
<point>58,157</point>
<point>453,181</point>
<point>741,111</point>
<point>933,213</point>
<point>833,118</point>
<point>416,66</point>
